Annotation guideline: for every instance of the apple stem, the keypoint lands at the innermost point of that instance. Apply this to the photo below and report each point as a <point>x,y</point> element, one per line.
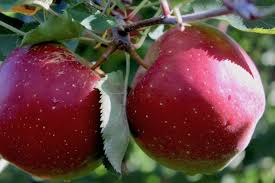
<point>11,28</point>
<point>137,58</point>
<point>111,49</point>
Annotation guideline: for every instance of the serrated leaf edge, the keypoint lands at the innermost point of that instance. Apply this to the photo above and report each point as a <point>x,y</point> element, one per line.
<point>104,121</point>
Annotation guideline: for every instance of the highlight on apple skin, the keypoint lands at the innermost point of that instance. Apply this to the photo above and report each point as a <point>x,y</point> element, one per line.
<point>197,106</point>
<point>49,112</point>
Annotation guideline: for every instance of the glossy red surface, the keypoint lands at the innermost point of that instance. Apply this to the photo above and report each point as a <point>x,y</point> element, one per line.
<point>198,104</point>
<point>49,112</point>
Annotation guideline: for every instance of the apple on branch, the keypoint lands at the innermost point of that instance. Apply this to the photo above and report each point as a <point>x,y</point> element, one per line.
<point>197,106</point>
<point>49,112</point>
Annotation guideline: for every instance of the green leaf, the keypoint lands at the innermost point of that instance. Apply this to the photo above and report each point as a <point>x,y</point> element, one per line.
<point>54,29</point>
<point>263,26</point>
<point>99,22</point>
<point>115,130</point>
<point>106,163</point>
<point>120,5</point>
<point>11,21</point>
<point>10,41</point>
<point>81,11</point>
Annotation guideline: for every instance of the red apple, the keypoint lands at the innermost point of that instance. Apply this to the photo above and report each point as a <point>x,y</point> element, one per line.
<point>49,112</point>
<point>198,104</point>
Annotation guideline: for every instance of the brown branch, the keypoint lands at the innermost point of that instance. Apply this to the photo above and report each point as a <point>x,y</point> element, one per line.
<point>137,58</point>
<point>172,20</point>
<point>244,8</point>
<point>104,56</point>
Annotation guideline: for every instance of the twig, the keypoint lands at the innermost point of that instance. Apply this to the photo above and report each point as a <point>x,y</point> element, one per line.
<point>138,59</point>
<point>243,8</point>
<point>178,18</point>
<point>173,20</point>
<point>247,9</point>
<point>165,8</point>
<point>104,57</point>
<point>11,28</point>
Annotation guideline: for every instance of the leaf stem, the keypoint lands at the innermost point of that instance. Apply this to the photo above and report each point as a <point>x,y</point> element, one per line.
<point>96,37</point>
<point>127,73</point>
<point>11,28</point>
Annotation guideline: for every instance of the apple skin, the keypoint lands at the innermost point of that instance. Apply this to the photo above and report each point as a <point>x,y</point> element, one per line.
<point>198,104</point>
<point>49,112</point>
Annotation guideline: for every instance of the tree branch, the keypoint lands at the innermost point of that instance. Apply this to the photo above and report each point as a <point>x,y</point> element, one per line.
<point>137,58</point>
<point>243,8</point>
<point>104,57</point>
<point>172,20</point>
<point>247,9</point>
